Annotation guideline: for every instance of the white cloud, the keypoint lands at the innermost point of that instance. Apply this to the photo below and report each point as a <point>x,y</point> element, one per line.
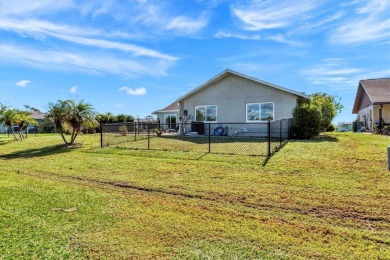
<point>222,34</point>
<point>22,83</point>
<point>28,7</point>
<point>73,89</point>
<point>282,39</point>
<point>372,24</point>
<point>260,15</point>
<point>135,92</point>
<point>92,61</point>
<point>336,75</point>
<point>41,30</point>
<point>185,25</point>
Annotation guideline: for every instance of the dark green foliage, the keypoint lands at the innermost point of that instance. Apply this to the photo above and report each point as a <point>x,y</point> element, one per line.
<point>331,128</point>
<point>109,118</point>
<point>315,115</point>
<point>329,107</point>
<point>307,121</point>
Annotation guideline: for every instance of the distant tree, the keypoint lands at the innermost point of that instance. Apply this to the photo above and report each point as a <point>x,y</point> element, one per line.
<point>328,105</point>
<point>109,118</point>
<point>8,117</point>
<point>23,119</point>
<point>129,118</point>
<point>72,116</point>
<point>13,117</point>
<point>121,118</point>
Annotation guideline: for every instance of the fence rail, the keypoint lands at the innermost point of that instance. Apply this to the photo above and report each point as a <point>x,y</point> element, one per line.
<point>261,139</point>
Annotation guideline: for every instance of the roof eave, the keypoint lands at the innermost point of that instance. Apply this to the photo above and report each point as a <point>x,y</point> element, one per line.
<point>231,72</point>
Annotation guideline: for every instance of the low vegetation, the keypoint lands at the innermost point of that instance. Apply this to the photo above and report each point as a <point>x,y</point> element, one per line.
<point>323,198</point>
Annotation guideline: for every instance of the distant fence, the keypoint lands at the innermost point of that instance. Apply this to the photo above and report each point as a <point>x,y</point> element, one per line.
<point>261,139</point>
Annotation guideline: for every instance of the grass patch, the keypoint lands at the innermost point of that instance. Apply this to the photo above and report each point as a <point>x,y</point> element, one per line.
<point>323,198</point>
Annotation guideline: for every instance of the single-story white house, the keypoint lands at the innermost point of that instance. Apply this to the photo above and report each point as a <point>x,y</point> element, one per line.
<point>372,102</point>
<point>232,97</point>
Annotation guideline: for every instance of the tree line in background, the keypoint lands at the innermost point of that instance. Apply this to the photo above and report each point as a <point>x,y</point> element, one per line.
<point>68,117</point>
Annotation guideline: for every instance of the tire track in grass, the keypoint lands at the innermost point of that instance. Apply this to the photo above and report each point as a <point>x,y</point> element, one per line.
<point>316,212</point>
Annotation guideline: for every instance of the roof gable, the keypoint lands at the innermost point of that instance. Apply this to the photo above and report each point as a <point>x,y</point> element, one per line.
<point>173,107</point>
<point>377,91</point>
<point>228,72</point>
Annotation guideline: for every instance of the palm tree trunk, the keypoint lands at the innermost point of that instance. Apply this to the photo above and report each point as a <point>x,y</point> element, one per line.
<point>63,137</point>
<point>13,133</point>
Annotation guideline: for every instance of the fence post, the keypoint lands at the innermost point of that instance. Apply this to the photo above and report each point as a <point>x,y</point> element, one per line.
<point>101,135</point>
<point>135,131</point>
<point>269,138</point>
<point>209,138</point>
<point>280,130</point>
<point>149,136</point>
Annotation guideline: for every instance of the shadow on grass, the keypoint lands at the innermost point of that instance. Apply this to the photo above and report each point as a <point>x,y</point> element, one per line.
<point>39,152</point>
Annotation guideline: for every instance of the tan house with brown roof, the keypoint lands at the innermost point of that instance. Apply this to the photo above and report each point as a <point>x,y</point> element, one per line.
<point>372,102</point>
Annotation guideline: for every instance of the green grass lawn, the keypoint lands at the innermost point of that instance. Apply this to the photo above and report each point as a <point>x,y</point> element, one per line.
<point>324,198</point>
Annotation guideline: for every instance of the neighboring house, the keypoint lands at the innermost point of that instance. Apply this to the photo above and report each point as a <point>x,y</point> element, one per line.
<point>232,97</point>
<point>344,127</point>
<point>372,102</point>
<point>169,116</point>
<point>39,117</point>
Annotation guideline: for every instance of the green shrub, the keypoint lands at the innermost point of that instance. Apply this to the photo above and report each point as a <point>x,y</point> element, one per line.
<point>123,130</point>
<point>307,121</point>
<point>331,128</point>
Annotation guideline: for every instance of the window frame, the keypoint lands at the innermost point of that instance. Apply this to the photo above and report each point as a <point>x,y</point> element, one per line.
<point>259,104</point>
<point>205,115</point>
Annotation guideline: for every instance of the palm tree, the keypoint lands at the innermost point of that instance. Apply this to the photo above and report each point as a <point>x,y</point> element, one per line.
<point>8,116</point>
<point>68,114</point>
<point>23,119</point>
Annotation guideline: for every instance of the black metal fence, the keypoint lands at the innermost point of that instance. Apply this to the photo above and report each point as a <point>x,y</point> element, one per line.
<point>261,139</point>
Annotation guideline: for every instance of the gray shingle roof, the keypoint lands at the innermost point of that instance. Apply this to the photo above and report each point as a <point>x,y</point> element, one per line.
<point>377,90</point>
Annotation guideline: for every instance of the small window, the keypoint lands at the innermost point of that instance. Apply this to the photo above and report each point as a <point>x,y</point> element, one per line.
<point>206,113</point>
<point>257,112</point>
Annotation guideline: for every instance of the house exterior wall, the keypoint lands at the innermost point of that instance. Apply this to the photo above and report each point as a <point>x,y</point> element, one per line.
<point>385,113</point>
<point>365,101</point>
<point>370,115</point>
<point>365,115</point>
<point>232,93</point>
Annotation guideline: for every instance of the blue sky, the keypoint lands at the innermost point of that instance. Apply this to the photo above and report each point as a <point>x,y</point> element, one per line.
<point>135,57</point>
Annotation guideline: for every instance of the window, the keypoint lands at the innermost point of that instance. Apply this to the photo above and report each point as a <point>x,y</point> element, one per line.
<point>206,113</point>
<point>259,111</point>
<point>170,121</point>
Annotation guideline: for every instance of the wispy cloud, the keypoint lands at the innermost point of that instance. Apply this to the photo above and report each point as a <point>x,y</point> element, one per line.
<point>135,92</point>
<point>337,75</point>
<point>242,36</point>
<point>73,89</point>
<point>185,25</point>
<point>92,62</point>
<point>40,29</point>
<point>260,15</point>
<point>23,83</point>
<point>283,39</point>
<point>372,24</point>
